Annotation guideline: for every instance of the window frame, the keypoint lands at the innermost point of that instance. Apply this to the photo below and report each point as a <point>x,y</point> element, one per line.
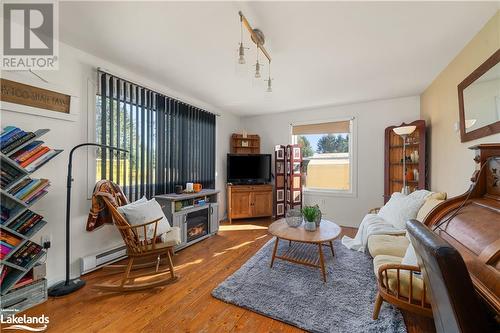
<point>353,169</point>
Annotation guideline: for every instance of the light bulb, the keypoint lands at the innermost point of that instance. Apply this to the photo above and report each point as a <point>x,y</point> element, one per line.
<point>269,85</point>
<point>257,70</point>
<point>241,59</point>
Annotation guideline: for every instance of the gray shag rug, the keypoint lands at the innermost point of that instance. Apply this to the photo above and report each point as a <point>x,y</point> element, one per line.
<point>297,295</point>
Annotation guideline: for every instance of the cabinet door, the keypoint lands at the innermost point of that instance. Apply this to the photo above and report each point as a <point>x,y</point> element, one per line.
<point>262,203</point>
<point>241,204</point>
<point>179,221</point>
<point>214,217</point>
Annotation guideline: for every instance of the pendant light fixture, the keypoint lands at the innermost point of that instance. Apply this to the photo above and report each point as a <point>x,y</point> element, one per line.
<point>257,65</point>
<point>241,50</point>
<point>258,38</point>
<point>269,80</point>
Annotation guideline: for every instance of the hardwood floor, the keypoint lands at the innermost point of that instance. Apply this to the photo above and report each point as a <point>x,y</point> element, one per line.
<point>185,306</point>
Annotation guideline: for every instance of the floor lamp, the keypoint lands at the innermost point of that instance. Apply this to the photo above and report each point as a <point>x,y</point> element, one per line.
<point>403,132</point>
<point>70,285</point>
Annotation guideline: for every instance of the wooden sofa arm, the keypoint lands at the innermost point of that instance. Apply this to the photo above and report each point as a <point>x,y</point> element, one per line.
<point>394,296</point>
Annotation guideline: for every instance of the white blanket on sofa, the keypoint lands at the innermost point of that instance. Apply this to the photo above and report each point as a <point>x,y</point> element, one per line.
<point>372,224</point>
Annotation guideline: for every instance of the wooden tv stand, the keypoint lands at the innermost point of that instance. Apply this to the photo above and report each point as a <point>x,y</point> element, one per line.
<point>248,201</point>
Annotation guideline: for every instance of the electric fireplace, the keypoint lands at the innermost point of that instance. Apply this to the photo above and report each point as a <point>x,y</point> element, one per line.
<point>197,224</point>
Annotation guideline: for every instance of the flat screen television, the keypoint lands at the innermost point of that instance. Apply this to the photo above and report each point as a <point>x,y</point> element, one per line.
<point>248,169</point>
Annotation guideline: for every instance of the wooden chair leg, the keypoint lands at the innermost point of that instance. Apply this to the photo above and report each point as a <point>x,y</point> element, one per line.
<point>378,304</point>
<point>127,271</point>
<point>171,265</point>
<point>331,246</point>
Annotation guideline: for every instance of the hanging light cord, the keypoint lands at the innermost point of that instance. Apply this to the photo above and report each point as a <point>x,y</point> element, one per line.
<point>462,205</point>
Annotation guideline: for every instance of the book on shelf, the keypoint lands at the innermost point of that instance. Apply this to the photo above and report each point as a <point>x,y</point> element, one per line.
<point>26,152</point>
<point>24,223</point>
<point>8,132</point>
<point>30,189</point>
<point>3,272</point>
<point>40,161</point>
<point>42,150</point>
<point>27,279</point>
<point>5,214</point>
<point>16,140</point>
<point>23,183</point>
<point>9,239</point>
<point>25,255</point>
<point>36,197</point>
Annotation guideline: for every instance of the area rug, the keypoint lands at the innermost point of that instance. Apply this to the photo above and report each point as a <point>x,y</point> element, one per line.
<point>296,294</point>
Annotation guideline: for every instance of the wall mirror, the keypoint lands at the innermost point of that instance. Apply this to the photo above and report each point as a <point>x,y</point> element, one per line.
<point>479,101</point>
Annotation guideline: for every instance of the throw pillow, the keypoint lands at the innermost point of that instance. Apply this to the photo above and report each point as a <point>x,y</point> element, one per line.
<point>401,208</point>
<point>122,209</point>
<point>432,201</point>
<point>143,212</point>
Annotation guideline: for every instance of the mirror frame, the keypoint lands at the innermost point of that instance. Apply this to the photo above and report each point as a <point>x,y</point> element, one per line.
<point>489,129</point>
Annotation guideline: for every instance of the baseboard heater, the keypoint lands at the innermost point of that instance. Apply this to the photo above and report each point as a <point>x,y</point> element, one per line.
<point>95,261</point>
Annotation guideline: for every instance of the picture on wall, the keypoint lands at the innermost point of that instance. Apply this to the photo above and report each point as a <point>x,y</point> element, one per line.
<point>296,167</point>
<point>287,196</point>
<point>280,209</point>
<point>280,195</point>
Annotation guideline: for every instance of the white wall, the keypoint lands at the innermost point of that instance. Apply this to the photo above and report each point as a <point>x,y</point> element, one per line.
<point>78,69</point>
<point>371,119</point>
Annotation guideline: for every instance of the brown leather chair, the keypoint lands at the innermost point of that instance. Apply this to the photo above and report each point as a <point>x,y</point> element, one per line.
<point>454,303</point>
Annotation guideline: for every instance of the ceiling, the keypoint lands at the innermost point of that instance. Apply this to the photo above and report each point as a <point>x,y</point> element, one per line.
<point>324,53</point>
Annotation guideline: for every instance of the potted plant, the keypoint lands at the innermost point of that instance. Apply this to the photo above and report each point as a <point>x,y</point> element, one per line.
<point>318,216</point>
<point>310,213</point>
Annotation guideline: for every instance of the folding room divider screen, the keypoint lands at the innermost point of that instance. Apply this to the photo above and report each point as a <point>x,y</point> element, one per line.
<point>169,142</point>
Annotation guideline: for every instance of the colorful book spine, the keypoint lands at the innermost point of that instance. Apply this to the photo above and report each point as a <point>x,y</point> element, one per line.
<point>36,197</point>
<point>7,137</point>
<point>26,189</point>
<point>25,153</point>
<point>35,156</point>
<point>41,161</point>
<point>36,189</point>
<point>17,141</point>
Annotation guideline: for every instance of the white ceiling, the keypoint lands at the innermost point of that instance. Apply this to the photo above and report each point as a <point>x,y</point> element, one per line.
<point>324,53</point>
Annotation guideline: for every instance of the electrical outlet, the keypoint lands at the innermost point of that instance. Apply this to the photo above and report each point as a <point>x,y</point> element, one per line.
<point>46,241</point>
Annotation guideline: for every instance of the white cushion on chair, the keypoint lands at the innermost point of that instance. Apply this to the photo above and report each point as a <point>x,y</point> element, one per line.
<point>139,212</point>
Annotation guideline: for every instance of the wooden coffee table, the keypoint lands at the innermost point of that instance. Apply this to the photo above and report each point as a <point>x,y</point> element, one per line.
<point>324,235</point>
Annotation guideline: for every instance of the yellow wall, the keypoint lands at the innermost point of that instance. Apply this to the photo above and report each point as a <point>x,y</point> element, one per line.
<point>451,162</point>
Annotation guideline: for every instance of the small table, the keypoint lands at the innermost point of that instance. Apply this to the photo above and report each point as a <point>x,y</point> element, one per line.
<point>324,235</point>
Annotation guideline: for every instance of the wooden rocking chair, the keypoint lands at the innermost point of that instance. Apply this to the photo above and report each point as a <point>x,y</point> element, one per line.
<point>142,254</point>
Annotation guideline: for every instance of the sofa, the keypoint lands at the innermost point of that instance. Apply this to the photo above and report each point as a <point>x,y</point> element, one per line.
<point>394,263</point>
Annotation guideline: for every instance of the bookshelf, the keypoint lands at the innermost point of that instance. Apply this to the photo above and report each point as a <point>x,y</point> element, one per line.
<point>245,144</point>
<point>415,155</point>
<point>18,192</point>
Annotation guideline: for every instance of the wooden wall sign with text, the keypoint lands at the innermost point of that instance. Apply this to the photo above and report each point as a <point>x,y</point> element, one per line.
<point>20,93</point>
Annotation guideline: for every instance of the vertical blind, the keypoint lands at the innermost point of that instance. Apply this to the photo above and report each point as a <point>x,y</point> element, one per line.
<point>169,142</point>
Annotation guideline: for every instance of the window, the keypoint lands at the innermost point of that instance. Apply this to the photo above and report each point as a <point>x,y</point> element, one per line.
<point>169,142</point>
<point>327,155</point>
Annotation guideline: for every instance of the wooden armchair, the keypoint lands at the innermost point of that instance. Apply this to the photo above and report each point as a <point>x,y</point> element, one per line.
<point>143,253</point>
<point>398,286</point>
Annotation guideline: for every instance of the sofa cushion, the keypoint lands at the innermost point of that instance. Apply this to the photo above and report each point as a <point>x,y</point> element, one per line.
<point>401,208</point>
<point>404,278</point>
<point>430,202</point>
<point>392,245</point>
